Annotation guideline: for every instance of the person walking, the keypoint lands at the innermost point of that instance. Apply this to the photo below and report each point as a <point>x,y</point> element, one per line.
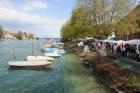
<point>115,49</point>
<point>123,51</point>
<point>138,54</point>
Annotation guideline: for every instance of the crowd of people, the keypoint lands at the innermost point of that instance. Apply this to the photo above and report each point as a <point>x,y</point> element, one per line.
<point>106,48</point>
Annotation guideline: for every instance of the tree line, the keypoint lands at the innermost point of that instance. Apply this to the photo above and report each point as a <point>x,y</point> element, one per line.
<point>99,18</point>
<point>19,35</point>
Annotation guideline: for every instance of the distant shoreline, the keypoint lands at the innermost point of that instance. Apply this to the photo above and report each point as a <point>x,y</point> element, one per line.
<point>27,39</point>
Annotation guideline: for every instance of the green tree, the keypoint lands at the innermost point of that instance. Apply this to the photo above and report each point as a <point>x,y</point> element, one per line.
<point>129,24</point>
<point>98,18</point>
<point>78,26</point>
<point>106,13</point>
<point>1,32</point>
<point>31,36</point>
<point>19,35</point>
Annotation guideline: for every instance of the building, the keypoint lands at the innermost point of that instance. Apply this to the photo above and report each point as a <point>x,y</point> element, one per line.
<point>8,35</point>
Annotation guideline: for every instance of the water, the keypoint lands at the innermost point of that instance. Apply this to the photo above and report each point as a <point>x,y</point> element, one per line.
<point>65,75</point>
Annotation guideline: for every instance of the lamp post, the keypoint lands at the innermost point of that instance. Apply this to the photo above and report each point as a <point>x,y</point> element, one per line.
<point>127,35</point>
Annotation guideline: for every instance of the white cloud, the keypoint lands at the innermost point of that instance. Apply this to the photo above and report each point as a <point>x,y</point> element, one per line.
<point>5,4</point>
<point>33,4</point>
<point>41,23</point>
<point>38,24</point>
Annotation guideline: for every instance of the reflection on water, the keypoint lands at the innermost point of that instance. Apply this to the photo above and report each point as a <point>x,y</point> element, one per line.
<point>30,68</point>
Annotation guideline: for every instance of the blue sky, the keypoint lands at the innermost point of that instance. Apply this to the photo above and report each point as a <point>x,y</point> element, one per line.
<point>42,17</point>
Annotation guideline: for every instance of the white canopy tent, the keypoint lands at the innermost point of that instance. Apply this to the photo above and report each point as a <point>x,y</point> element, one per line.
<point>134,41</point>
<point>115,41</point>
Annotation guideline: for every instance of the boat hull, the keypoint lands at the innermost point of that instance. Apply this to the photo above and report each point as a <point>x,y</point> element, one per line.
<point>29,63</point>
<point>52,54</point>
<point>39,58</point>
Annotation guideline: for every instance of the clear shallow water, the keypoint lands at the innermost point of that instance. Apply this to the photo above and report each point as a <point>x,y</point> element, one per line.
<point>65,75</point>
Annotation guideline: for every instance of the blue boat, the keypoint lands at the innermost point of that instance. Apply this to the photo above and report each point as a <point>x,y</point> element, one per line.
<point>49,50</point>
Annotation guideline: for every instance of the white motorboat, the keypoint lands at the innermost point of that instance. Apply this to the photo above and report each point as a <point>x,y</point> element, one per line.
<point>39,58</point>
<point>29,63</point>
<point>55,54</point>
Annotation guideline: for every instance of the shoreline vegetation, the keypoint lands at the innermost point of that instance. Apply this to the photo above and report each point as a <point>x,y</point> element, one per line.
<point>110,75</point>
<point>99,19</point>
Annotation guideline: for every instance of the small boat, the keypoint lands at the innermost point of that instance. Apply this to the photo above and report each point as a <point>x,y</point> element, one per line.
<point>39,58</point>
<point>49,50</point>
<point>61,45</point>
<point>45,47</point>
<point>61,51</point>
<point>29,63</point>
<point>52,54</point>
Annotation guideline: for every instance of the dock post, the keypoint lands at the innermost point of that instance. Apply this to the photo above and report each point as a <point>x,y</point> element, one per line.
<point>32,48</point>
<point>14,50</point>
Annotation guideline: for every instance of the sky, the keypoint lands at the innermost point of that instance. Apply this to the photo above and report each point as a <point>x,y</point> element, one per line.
<point>42,17</point>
